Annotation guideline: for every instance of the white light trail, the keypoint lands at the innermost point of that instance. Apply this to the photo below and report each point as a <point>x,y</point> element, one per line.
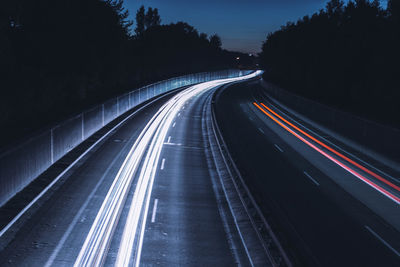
<point>152,138</point>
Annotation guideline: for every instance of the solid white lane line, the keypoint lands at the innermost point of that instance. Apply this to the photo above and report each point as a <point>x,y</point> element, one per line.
<point>169,139</point>
<point>261,130</point>
<point>312,179</point>
<point>153,216</point>
<point>173,125</point>
<point>162,164</point>
<point>277,147</point>
<point>382,240</point>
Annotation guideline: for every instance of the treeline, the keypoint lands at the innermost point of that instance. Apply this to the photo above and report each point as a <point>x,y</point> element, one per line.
<point>59,57</point>
<point>168,50</point>
<point>346,56</point>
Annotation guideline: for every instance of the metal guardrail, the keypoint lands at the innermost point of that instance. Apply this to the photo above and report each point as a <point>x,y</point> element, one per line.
<point>20,165</point>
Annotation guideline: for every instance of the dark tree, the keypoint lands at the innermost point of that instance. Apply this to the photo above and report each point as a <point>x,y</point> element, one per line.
<point>203,36</point>
<point>156,20</point>
<point>146,20</point>
<point>152,18</point>
<point>140,21</point>
<point>394,10</point>
<point>149,18</point>
<point>334,8</point>
<point>215,41</point>
<point>59,57</point>
<point>345,56</point>
<point>176,48</point>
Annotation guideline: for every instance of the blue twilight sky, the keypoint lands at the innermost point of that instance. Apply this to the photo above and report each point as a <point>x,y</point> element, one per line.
<point>242,24</point>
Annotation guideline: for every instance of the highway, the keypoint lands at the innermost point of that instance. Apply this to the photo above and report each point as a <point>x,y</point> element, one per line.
<point>145,195</point>
<point>328,207</point>
<point>157,188</point>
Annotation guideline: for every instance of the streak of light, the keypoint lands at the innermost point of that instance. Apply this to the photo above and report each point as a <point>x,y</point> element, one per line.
<point>147,148</point>
<point>334,151</point>
<point>356,174</point>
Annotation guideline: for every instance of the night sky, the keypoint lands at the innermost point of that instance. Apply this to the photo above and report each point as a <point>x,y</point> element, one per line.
<point>242,24</point>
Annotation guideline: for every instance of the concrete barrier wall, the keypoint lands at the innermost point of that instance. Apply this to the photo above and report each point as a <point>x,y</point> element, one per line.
<point>380,138</point>
<point>110,110</point>
<point>91,121</point>
<point>28,160</point>
<point>21,165</point>
<point>66,136</point>
<point>123,104</point>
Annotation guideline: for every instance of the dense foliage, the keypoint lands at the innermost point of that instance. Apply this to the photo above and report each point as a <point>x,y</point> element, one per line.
<point>345,55</point>
<point>58,57</point>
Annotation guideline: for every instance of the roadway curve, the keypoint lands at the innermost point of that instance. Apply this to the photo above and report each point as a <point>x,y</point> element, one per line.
<point>143,195</point>
<point>148,194</point>
<point>327,207</point>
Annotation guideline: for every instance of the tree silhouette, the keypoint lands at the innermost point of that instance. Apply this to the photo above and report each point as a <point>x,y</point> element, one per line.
<point>152,18</point>
<point>140,21</point>
<point>146,20</point>
<point>344,55</point>
<point>156,18</point>
<point>149,18</point>
<point>203,36</point>
<point>58,57</point>
<point>215,41</point>
<point>393,9</point>
<point>334,8</point>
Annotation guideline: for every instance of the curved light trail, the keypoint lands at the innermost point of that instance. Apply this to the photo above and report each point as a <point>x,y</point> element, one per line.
<point>380,189</point>
<point>333,150</point>
<point>147,149</point>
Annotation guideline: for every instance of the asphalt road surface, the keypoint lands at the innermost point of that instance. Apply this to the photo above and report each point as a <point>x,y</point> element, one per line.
<point>141,196</point>
<point>145,194</point>
<point>318,203</point>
